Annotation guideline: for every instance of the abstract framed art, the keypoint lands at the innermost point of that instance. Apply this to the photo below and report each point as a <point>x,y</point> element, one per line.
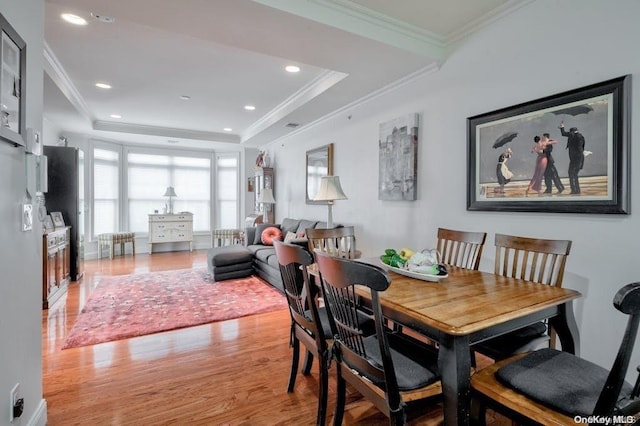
<point>565,153</point>
<point>398,159</point>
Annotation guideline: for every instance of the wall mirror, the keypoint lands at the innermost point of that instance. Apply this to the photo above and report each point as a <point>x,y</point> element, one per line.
<point>319,164</point>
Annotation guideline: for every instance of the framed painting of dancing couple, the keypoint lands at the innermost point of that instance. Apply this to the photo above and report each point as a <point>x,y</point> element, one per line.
<point>565,153</point>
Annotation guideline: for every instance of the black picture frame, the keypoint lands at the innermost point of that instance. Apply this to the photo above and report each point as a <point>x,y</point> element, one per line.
<point>599,112</point>
<point>13,59</point>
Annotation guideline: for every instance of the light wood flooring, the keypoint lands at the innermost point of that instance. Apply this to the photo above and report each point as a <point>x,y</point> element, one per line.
<point>227,373</point>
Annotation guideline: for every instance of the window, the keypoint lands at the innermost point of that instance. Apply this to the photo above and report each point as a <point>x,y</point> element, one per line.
<point>149,175</point>
<point>105,191</point>
<point>227,191</point>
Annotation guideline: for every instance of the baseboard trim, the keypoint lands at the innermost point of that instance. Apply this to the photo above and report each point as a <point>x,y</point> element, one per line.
<point>39,418</point>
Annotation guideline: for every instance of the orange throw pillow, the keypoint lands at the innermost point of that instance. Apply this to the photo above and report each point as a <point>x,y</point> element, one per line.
<point>269,234</point>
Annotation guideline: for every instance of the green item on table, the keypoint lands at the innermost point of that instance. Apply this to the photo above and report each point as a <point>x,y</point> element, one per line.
<point>393,260</point>
<point>389,252</point>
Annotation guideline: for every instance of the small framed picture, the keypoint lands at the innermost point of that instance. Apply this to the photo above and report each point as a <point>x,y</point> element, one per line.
<point>58,221</point>
<point>47,224</point>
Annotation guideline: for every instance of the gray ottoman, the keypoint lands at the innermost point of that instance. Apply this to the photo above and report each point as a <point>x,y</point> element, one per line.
<point>229,262</point>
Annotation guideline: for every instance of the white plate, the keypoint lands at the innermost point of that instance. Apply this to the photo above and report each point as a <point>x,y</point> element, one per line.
<point>416,275</point>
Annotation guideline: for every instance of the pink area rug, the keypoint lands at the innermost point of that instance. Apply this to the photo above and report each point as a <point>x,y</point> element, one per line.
<point>135,305</point>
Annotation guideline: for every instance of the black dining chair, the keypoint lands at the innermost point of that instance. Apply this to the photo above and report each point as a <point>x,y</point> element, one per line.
<point>532,259</point>
<point>309,324</point>
<point>392,370</point>
<point>552,387</point>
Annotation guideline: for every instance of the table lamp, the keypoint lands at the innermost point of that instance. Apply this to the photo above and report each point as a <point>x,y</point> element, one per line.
<point>170,192</point>
<point>266,198</point>
<point>330,190</point>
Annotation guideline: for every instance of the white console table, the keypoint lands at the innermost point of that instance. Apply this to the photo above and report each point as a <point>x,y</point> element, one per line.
<point>170,228</point>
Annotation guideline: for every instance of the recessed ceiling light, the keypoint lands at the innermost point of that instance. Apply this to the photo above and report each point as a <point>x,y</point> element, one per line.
<point>228,129</point>
<point>185,97</point>
<point>249,107</point>
<point>115,116</point>
<point>103,85</point>
<point>292,68</point>
<point>73,19</point>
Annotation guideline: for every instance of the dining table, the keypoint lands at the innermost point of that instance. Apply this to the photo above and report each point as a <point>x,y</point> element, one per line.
<point>467,307</point>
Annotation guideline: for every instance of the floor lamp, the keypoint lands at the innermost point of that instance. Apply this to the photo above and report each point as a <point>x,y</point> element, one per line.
<point>330,190</point>
<point>266,198</point>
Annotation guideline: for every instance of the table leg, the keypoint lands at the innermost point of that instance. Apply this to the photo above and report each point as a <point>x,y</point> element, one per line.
<point>565,326</point>
<point>454,362</point>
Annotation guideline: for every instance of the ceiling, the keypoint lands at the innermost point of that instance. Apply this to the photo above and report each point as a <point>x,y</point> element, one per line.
<point>225,54</point>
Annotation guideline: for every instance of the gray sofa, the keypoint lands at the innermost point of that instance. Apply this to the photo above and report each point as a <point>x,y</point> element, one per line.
<point>265,262</point>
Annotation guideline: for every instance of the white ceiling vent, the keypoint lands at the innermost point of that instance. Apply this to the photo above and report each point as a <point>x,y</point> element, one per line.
<point>292,125</point>
<point>103,18</point>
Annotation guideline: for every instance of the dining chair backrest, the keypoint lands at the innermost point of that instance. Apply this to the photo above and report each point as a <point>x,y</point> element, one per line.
<point>339,242</point>
<point>293,261</point>
<point>460,248</point>
<point>306,320</point>
<point>532,259</point>
<point>339,278</point>
<point>389,369</point>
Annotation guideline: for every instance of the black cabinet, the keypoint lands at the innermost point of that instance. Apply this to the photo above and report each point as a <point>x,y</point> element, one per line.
<point>65,173</point>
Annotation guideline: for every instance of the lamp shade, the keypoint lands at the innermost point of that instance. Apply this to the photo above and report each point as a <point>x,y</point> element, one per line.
<point>266,196</point>
<point>330,189</point>
<point>170,192</point>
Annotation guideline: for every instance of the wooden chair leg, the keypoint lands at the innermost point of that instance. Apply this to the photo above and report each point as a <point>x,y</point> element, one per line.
<point>323,391</point>
<point>398,418</point>
<point>478,412</point>
<point>340,399</point>
<point>308,363</point>
<point>295,343</point>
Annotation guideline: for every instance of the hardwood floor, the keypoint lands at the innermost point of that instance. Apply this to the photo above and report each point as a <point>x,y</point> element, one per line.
<point>231,372</point>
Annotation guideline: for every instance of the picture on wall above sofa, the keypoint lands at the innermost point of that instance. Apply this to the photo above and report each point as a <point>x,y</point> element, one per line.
<point>398,157</point>
<point>563,153</point>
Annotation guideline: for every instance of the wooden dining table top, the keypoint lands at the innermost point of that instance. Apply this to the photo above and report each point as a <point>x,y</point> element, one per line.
<point>467,301</point>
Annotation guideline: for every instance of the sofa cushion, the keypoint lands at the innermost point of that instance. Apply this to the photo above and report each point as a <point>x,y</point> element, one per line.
<point>273,261</point>
<point>269,234</point>
<point>289,237</point>
<point>289,225</point>
<point>229,255</point>
<point>259,228</point>
<point>264,253</point>
<point>304,224</point>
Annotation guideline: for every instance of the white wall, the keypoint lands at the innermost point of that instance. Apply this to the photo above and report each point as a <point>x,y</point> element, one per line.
<point>541,49</point>
<point>21,256</point>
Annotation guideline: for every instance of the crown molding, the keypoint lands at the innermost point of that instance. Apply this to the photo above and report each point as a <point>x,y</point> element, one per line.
<point>484,21</point>
<point>430,69</point>
<point>356,19</point>
<point>111,126</point>
<point>315,87</point>
<point>55,70</point>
